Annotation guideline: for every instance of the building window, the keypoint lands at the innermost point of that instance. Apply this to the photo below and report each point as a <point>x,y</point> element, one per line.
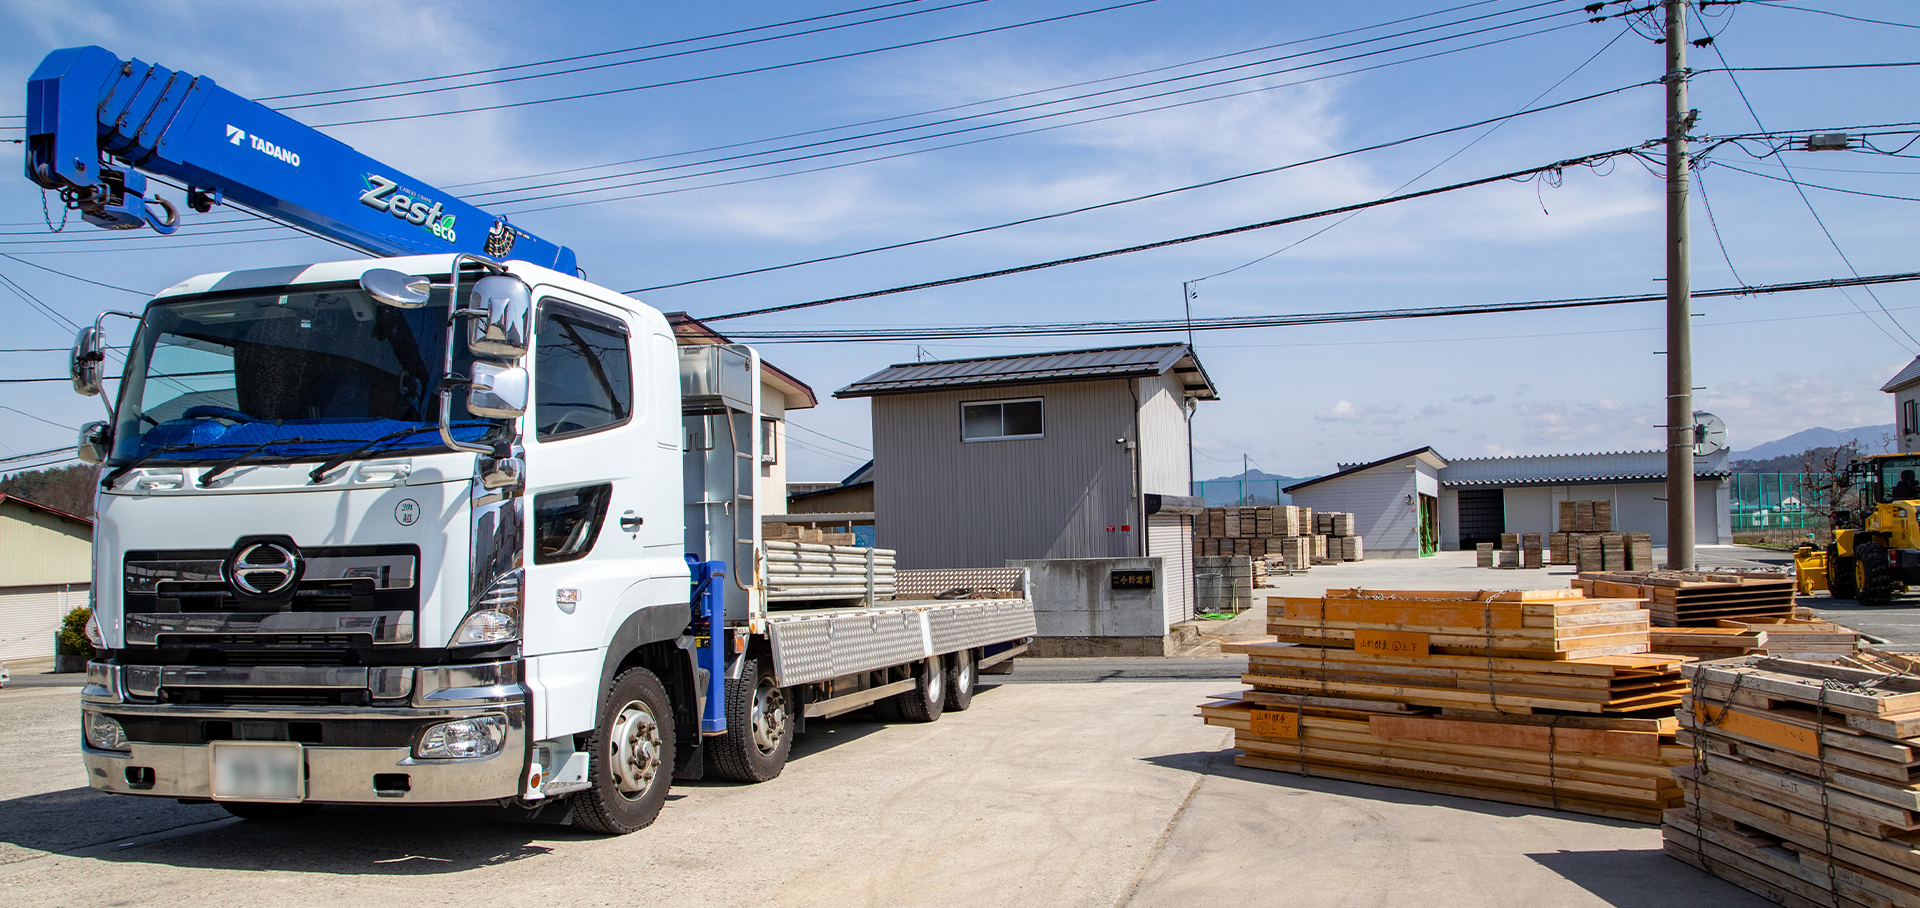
<point>769,441</point>
<point>1912,415</point>
<point>996,420</point>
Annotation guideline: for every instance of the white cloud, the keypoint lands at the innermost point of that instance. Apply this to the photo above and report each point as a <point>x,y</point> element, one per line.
<point>1346,411</point>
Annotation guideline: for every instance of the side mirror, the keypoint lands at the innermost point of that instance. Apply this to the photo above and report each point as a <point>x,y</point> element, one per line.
<point>497,391</point>
<point>401,291</point>
<point>95,439</point>
<point>504,473</point>
<point>501,312</point>
<point>89,352</point>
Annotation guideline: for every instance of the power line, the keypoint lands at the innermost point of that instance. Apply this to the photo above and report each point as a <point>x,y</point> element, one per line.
<point>1824,12</point>
<point>1131,199</point>
<point>775,67</point>
<point>73,276</point>
<point>1742,92</point>
<point>596,55</point>
<point>1803,183</point>
<point>1442,162</point>
<point>1159,244</point>
<point>40,419</point>
<point>1019,95</point>
<point>1016,109</point>
<point>1245,322</point>
<point>861,448</point>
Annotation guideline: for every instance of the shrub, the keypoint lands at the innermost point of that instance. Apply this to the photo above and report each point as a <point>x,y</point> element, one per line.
<point>73,632</point>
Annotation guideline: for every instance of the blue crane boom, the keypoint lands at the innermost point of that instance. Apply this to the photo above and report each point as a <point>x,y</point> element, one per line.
<point>98,125</point>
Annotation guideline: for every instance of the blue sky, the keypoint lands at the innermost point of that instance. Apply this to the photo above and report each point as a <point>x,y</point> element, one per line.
<point>1297,400</point>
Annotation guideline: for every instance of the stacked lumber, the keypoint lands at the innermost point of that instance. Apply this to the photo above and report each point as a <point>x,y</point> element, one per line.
<point>1293,537</point>
<point>1694,598</point>
<point>810,571</point>
<point>1592,516</point>
<point>1811,639</point>
<point>796,533</point>
<point>1517,550</point>
<point>1526,697</point>
<point>1709,643</point>
<point>1805,784</point>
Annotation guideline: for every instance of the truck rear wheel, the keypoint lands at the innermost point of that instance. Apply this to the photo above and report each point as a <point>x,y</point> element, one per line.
<point>929,694</point>
<point>960,676</point>
<point>1872,575</point>
<point>759,727</point>
<point>1841,582</point>
<point>631,757</point>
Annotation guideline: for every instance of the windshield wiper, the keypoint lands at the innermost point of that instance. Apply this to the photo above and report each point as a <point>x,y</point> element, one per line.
<point>206,479</point>
<point>114,475</point>
<point>320,472</point>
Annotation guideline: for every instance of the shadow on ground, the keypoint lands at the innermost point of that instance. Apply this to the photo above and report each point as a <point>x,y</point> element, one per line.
<point>1644,879</point>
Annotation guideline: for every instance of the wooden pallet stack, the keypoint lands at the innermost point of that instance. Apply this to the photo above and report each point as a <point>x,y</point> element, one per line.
<point>805,571</point>
<point>1287,537</point>
<point>1588,540</point>
<point>796,533</point>
<point>1544,698</point>
<point>1805,783</point>
<point>1697,599</point>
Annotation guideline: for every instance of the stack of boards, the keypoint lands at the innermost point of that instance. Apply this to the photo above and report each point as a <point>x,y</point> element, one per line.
<point>1806,787</point>
<point>1543,698</point>
<point>1809,638</point>
<point>793,533</point>
<point>1286,537</point>
<point>1696,599</point>
<point>806,571</point>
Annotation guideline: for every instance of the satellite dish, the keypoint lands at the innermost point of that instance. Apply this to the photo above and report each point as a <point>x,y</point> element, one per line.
<point>1709,434</point>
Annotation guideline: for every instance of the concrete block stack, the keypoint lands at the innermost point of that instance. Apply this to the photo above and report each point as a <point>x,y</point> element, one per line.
<point>1284,537</point>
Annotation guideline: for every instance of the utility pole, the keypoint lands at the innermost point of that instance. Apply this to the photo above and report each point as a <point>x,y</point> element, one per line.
<point>1246,470</point>
<point>1679,298</point>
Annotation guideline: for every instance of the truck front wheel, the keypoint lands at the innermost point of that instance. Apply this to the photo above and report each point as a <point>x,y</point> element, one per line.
<point>759,727</point>
<point>631,762</point>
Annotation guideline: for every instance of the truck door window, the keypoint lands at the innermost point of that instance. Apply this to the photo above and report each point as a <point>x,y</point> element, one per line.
<point>565,523</point>
<point>583,373</point>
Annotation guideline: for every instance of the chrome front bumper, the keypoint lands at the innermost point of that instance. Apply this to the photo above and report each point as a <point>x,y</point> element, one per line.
<point>180,766</point>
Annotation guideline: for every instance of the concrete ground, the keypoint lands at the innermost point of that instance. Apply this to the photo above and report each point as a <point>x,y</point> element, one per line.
<point>1069,783</point>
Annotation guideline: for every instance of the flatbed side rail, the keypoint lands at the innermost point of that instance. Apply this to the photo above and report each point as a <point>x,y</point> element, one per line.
<point>830,643</point>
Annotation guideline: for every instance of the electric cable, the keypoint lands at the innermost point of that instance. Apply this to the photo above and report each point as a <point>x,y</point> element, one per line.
<point>598,54</point>
<point>1825,12</point>
<point>773,67</point>
<point>1161,244</point>
<point>1032,106</point>
<point>1815,212</point>
<point>1442,162</point>
<point>1246,322</point>
<point>74,276</point>
<point>1131,199</point>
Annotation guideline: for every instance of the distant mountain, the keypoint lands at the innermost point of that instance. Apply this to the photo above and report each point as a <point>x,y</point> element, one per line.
<point>1867,438</point>
<point>1261,488</point>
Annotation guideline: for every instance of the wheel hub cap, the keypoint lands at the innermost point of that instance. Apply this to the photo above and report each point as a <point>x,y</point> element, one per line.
<point>769,717</point>
<point>636,750</point>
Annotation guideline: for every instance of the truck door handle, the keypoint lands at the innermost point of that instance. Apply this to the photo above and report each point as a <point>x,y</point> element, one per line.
<point>630,522</point>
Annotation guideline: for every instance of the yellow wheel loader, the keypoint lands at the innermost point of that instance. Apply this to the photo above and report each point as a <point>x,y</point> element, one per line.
<point>1875,554</point>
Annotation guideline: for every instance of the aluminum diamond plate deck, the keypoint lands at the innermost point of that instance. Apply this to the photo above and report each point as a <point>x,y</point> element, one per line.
<point>815,646</point>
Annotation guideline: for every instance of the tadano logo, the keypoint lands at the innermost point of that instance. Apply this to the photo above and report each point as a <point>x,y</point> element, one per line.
<point>236,136</point>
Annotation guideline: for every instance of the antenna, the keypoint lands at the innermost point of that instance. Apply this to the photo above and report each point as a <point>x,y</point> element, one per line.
<point>1709,434</point>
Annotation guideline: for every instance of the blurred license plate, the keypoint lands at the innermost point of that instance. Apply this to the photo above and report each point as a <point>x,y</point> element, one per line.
<point>258,772</point>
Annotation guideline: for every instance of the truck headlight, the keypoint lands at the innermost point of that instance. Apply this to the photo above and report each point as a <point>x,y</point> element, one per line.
<point>103,733</point>
<point>480,736</point>
<point>94,636</point>
<point>495,616</point>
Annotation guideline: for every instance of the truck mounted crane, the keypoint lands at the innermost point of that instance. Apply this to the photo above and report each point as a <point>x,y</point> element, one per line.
<point>450,524</point>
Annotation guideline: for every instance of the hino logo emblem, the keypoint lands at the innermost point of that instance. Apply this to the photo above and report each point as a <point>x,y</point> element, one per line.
<point>263,569</point>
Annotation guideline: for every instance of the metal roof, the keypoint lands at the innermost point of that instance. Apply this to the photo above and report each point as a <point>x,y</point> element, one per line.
<point>1907,376</point>
<point>1571,469</point>
<point>1036,368</point>
<point>1439,463</point>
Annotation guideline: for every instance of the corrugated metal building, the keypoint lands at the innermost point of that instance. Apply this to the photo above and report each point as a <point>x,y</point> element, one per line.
<point>1394,501</point>
<point>1053,455</point>
<point>1482,497</point>
<point>46,566</point>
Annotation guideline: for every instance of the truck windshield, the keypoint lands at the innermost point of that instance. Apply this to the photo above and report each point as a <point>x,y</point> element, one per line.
<point>288,377</point>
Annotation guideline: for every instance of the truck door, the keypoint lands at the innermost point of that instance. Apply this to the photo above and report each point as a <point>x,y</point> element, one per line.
<point>602,491</point>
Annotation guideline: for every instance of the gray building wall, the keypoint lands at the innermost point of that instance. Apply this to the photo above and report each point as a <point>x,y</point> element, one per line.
<point>942,502</point>
<point>1638,507</point>
<point>1377,498</point>
<point>1164,464</point>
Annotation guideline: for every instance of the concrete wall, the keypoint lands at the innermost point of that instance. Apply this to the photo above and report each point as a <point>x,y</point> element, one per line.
<point>1072,598</point>
<point>1638,507</point>
<point>1378,500</point>
<point>941,502</point>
